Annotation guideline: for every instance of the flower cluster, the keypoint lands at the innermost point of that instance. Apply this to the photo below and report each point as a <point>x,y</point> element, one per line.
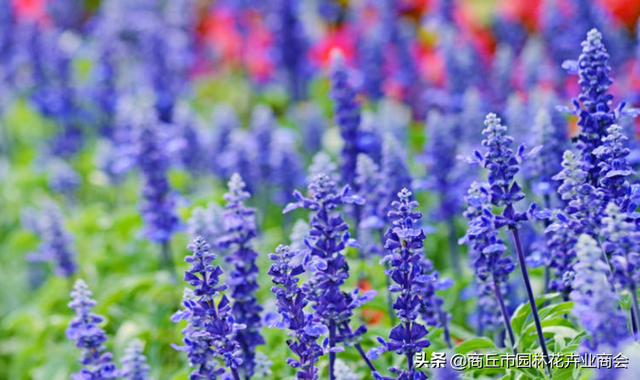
<point>503,165</point>
<point>210,325</point>
<point>595,303</point>
<point>614,168</point>
<point>549,133</point>
<point>487,250</point>
<point>486,247</point>
<point>394,167</point>
<point>206,222</point>
<point>327,265</point>
<point>240,227</point>
<point>263,125</point>
<point>623,247</point>
<point>83,328</point>
<point>158,205</point>
<point>585,203</point>
<point>291,301</point>
<point>286,165</point>
<point>347,117</point>
<point>415,281</point>
<point>292,47</point>
<point>63,178</point>
<point>56,241</point>
<point>593,104</point>
<point>445,177</point>
<point>134,363</point>
<point>226,121</point>
<point>560,243</point>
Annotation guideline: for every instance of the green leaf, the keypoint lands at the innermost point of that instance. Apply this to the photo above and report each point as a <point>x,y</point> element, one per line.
<point>531,327</point>
<point>563,374</point>
<point>559,309</point>
<point>474,345</point>
<point>561,331</point>
<point>523,312</point>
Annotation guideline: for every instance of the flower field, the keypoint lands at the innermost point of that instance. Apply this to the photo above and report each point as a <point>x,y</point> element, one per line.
<point>319,189</point>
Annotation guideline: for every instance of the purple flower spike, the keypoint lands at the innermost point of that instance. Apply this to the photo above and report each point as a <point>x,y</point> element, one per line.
<point>209,334</point>
<point>595,303</point>
<point>291,301</point>
<point>327,265</point>
<point>415,281</point>
<point>347,117</point>
<point>240,227</point>
<point>83,328</point>
<point>158,205</point>
<point>134,363</point>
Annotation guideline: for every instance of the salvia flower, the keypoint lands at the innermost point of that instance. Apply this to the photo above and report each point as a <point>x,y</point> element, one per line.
<point>63,178</point>
<point>158,204</point>
<point>225,121</point>
<point>104,86</point>
<point>240,228</point>
<point>190,151</point>
<point>347,117</point>
<point>372,62</point>
<point>292,46</point>
<point>559,33</point>
<point>394,165</point>
<point>501,71</point>
<point>585,203</point>
<point>595,303</point>
<point>90,338</point>
<point>313,124</point>
<point>516,114</point>
<point>370,181</point>
<point>304,328</point>
<point>472,115</point>
<point>531,60</point>
<point>459,66</point>
<point>623,248</point>
<point>56,242</point>
<point>560,241</point>
<point>263,366</point>
<point>410,275</point>
<point>614,167</point>
<point>322,164</point>
<point>134,363</point>
<point>327,265</point>
<point>503,164</point>
<point>552,136</point>
<point>206,222</point>
<point>487,249</point>
<point>445,176</point>
<point>287,170</point>
<point>241,157</point>
<point>208,335</point>
<point>263,125</point>
<point>593,106</point>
